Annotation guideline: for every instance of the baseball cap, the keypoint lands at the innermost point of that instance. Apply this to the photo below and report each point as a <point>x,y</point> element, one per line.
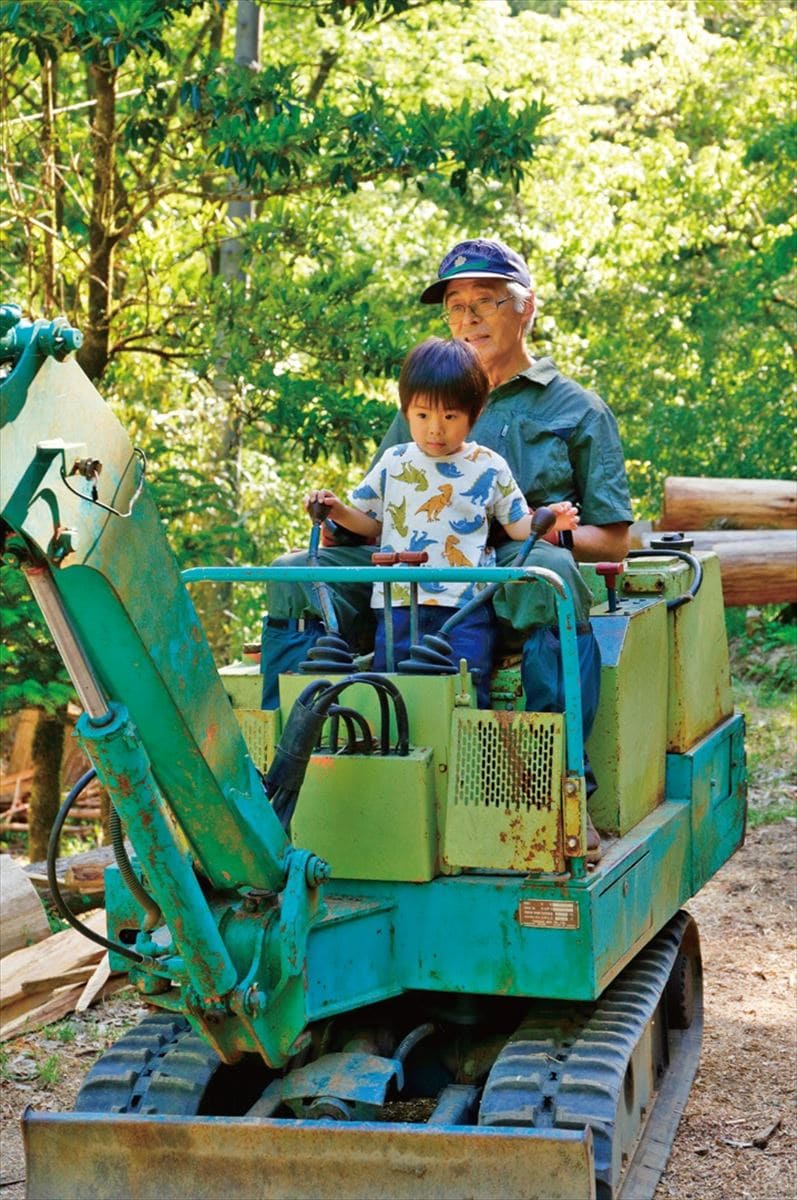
<point>480,258</point>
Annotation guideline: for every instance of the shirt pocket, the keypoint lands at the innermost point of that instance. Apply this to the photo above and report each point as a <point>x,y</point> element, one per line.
<point>538,458</point>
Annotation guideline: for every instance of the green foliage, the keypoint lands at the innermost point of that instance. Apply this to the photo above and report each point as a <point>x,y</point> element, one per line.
<point>772,815</point>
<point>64,1031</point>
<point>764,650</point>
<point>771,751</point>
<point>763,646</point>
<point>48,1072</point>
<point>33,674</point>
<point>639,152</point>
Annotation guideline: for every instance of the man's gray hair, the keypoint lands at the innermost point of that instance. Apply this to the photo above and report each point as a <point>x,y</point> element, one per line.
<point>520,295</point>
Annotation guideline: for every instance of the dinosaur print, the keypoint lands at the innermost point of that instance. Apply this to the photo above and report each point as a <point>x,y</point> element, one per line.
<point>435,504</point>
<point>466,527</point>
<point>398,513</point>
<point>420,540</point>
<point>450,470</point>
<point>479,491</point>
<point>412,475</point>
<point>453,554</point>
<point>519,509</point>
<point>364,492</point>
<point>477,452</point>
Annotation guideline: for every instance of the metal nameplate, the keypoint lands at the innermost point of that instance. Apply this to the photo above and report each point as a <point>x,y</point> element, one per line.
<point>548,914</point>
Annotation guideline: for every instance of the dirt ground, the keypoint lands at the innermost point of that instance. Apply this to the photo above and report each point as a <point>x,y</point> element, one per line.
<point>738,1136</point>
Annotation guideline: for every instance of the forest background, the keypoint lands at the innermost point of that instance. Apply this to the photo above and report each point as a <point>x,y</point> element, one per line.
<point>239,205</point>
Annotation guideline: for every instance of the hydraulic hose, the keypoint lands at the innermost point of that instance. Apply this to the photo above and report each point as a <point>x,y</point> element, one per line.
<point>52,877</point>
<point>694,563</point>
<point>154,916</point>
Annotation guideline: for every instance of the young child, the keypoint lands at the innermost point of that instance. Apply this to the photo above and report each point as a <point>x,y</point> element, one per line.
<point>438,493</point>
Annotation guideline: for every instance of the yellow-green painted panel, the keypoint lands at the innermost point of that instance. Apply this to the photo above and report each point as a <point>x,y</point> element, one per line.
<point>504,808</point>
<point>627,744</point>
<point>370,816</point>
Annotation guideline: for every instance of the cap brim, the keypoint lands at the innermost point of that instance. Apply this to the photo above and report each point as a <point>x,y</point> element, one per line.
<point>436,291</point>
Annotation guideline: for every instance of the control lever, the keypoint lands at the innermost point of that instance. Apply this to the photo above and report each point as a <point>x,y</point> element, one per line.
<point>609,572</point>
<point>434,655</point>
<point>331,654</point>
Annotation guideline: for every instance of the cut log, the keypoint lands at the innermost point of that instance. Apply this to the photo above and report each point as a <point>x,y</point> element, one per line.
<point>698,503</point>
<point>756,567</point>
<point>24,921</point>
<point>79,875</point>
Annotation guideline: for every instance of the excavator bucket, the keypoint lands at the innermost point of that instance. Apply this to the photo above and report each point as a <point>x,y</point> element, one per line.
<point>102,1157</point>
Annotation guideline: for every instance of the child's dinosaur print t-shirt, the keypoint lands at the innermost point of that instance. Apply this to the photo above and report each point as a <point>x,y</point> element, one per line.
<point>443,506</point>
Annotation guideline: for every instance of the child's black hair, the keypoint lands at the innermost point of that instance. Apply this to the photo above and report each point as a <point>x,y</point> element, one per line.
<point>445,372</point>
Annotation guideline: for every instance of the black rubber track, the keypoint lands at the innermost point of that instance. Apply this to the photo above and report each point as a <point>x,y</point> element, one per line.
<point>566,1065</point>
<point>161,1066</point>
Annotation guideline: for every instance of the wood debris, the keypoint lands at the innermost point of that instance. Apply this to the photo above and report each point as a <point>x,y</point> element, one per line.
<point>759,1141</point>
<point>80,876</point>
<point>42,983</point>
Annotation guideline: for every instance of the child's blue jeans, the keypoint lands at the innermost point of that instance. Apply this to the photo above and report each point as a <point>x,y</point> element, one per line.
<point>472,638</point>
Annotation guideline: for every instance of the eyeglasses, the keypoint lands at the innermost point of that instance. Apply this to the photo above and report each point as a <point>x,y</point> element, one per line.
<point>482,309</point>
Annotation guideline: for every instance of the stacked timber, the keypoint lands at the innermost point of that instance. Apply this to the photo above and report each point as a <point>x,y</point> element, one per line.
<point>751,524</point>
<point>81,877</point>
<point>64,973</point>
<point>15,790</point>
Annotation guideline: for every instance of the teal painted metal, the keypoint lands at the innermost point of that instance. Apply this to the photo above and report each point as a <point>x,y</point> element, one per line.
<point>262,946</point>
<point>124,770</point>
<point>559,937</point>
<point>710,778</point>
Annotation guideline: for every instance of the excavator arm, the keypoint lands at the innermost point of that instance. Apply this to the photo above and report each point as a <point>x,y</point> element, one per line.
<point>158,725</point>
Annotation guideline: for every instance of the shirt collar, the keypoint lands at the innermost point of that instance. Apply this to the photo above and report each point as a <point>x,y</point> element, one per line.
<point>542,371</point>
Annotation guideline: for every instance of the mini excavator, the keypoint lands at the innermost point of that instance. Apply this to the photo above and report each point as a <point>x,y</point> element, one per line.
<point>376,958</point>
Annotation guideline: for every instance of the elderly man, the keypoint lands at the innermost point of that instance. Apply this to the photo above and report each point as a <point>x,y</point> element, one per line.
<point>561,443</point>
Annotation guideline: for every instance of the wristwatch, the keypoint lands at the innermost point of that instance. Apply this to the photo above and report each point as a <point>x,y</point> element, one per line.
<point>566,539</point>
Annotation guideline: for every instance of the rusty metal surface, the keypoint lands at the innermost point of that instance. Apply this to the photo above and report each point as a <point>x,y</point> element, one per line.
<point>504,804</point>
<point>102,1157</point>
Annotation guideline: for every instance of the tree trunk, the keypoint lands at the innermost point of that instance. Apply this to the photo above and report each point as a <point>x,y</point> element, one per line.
<point>49,183</point>
<point>757,567</point>
<point>213,605</point>
<point>45,796</point>
<point>93,356</point>
<point>698,503</point>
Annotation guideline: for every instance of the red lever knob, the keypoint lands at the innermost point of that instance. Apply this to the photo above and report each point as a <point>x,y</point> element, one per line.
<point>384,558</point>
<point>413,558</point>
<point>610,571</point>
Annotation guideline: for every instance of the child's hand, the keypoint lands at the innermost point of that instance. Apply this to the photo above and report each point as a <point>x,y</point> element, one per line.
<point>322,496</point>
<point>566,515</point>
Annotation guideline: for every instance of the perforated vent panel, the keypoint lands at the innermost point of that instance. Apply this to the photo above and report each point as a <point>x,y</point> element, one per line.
<point>505,787</point>
<point>259,729</point>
